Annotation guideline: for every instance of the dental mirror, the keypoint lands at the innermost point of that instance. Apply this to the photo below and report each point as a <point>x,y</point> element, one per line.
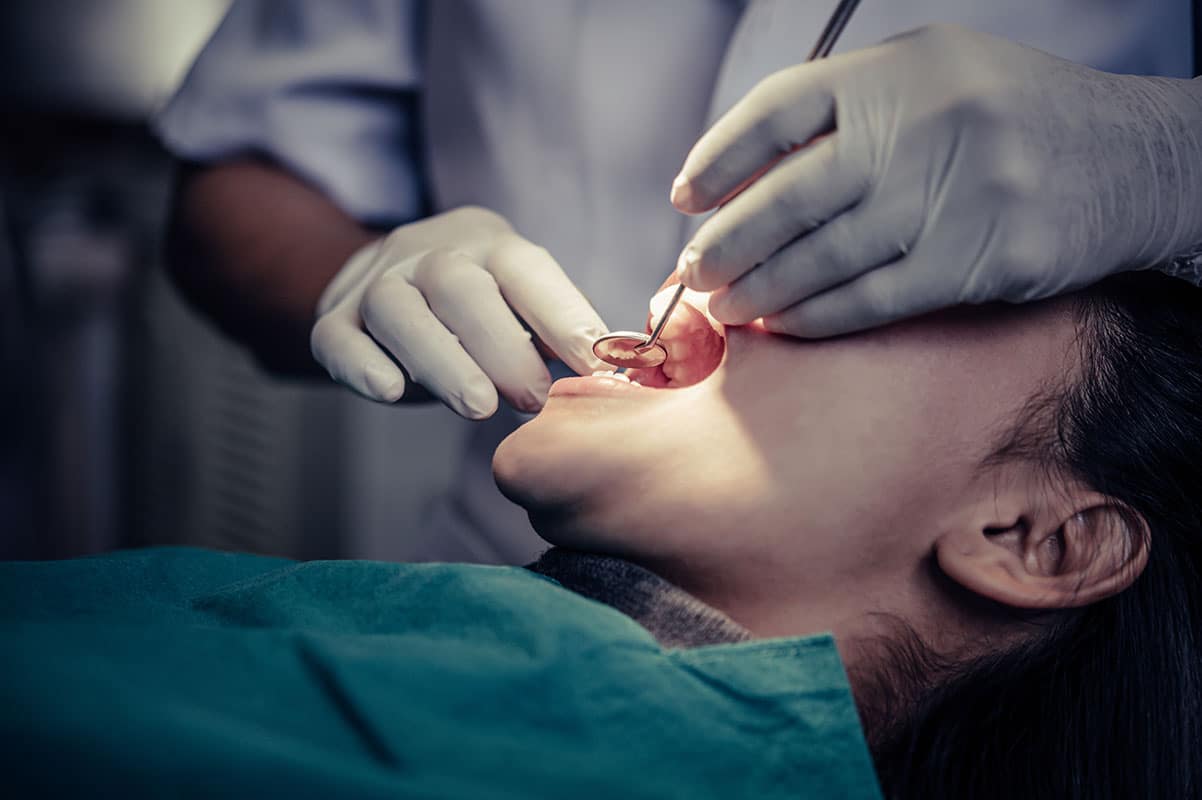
<point>637,350</point>
<point>629,349</point>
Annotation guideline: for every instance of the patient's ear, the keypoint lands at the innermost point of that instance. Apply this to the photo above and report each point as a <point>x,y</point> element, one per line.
<point>1078,550</point>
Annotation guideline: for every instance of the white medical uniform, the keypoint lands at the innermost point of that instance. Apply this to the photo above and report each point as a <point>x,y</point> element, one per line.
<point>568,117</point>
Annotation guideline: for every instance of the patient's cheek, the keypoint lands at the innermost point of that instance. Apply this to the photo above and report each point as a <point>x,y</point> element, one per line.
<point>694,342</point>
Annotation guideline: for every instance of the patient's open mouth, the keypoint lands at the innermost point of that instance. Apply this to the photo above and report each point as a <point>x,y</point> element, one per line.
<point>695,343</point>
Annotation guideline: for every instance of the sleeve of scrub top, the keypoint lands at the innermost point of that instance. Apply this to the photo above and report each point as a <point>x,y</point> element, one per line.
<point>328,90</point>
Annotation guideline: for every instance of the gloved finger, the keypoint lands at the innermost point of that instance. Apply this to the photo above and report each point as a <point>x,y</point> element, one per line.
<point>351,276</point>
<point>397,316</point>
<point>884,295</point>
<point>861,239</point>
<point>468,301</point>
<point>537,288</point>
<point>792,199</point>
<point>784,110</point>
<point>352,358</point>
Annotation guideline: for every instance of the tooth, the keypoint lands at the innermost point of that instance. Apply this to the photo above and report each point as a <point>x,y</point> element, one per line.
<point>619,376</point>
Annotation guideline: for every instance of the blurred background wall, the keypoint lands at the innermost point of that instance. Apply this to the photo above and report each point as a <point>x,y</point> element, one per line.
<point>125,419</point>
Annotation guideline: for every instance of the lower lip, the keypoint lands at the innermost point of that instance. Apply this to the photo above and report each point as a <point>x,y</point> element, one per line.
<point>594,386</point>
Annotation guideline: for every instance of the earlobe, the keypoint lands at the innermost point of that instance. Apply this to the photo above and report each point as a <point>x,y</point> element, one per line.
<point>1092,553</point>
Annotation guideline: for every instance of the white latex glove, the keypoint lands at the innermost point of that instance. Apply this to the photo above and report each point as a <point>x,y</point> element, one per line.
<point>962,168</point>
<point>442,297</point>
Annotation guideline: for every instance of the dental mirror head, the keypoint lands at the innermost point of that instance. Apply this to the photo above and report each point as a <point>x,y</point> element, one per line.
<point>637,350</point>
<point>629,349</point>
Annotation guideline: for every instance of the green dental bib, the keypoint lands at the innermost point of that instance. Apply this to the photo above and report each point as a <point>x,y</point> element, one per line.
<point>195,674</point>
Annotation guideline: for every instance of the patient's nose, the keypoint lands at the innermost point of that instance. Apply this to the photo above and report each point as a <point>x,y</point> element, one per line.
<point>694,341</point>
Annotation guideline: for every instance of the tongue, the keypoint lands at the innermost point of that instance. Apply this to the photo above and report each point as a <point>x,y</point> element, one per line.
<point>694,343</point>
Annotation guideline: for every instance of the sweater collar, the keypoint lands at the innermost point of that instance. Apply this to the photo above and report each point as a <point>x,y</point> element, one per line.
<point>673,616</point>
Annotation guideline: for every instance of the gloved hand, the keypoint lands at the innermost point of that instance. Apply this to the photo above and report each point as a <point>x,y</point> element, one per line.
<point>962,168</point>
<point>443,298</point>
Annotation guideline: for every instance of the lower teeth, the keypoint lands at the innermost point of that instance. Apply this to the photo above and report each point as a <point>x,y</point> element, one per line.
<point>616,376</point>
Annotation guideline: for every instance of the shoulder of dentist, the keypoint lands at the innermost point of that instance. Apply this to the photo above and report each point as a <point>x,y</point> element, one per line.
<point>946,166</point>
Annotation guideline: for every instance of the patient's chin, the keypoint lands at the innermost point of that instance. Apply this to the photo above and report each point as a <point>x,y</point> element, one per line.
<point>564,488</point>
<point>534,469</point>
<point>530,483</point>
<point>512,467</point>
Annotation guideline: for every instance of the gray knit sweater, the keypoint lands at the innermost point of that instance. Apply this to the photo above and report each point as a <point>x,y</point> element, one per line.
<point>673,616</point>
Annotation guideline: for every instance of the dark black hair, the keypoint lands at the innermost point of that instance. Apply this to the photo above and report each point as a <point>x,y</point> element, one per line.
<point>1105,701</point>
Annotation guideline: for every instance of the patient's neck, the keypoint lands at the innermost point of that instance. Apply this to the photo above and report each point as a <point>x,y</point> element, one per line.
<point>771,602</point>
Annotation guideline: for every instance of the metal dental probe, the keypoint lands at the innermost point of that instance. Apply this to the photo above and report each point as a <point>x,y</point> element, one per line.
<point>630,349</point>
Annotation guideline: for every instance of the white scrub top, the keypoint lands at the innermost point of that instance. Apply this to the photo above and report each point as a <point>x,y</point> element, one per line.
<point>568,117</point>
